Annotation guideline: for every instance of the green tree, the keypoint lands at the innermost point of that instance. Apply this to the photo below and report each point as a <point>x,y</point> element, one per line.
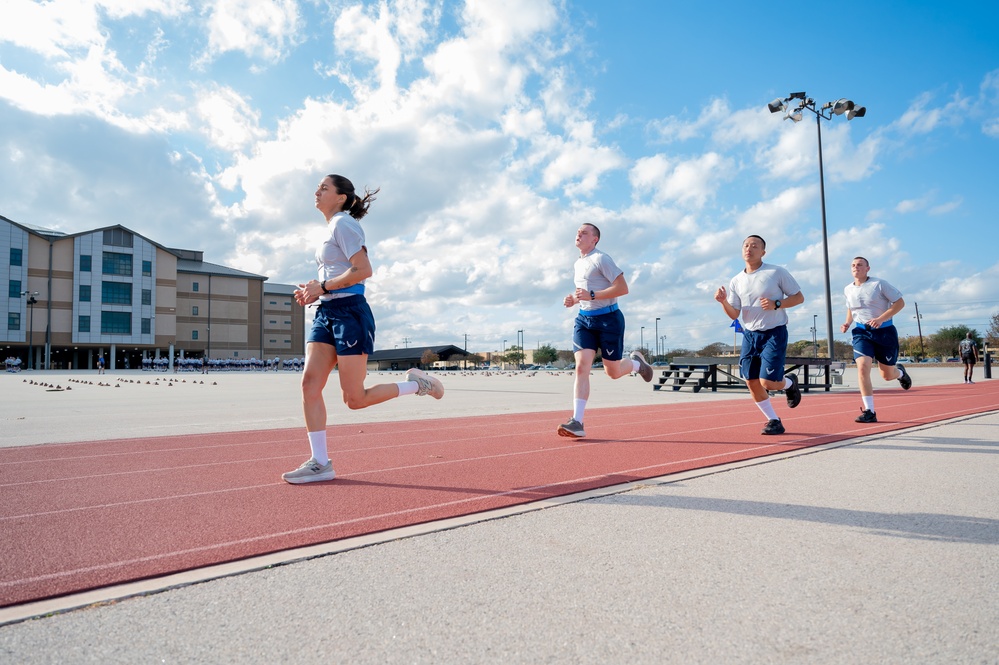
<point>515,355</point>
<point>567,356</point>
<point>545,354</point>
<point>944,341</point>
<point>801,348</point>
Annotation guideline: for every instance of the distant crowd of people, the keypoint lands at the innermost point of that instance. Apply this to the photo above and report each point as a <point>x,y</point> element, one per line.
<point>223,364</point>
<point>12,364</point>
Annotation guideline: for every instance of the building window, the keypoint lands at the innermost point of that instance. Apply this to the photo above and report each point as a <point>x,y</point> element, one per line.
<point>14,290</point>
<point>84,323</point>
<point>15,256</point>
<point>84,293</point>
<point>274,302</point>
<point>85,261</point>
<point>273,323</point>
<point>195,287</point>
<point>194,334</point>
<point>147,268</point>
<point>194,310</point>
<point>147,297</point>
<point>117,264</point>
<point>116,323</point>
<point>116,293</point>
<point>13,321</point>
<point>146,326</point>
<point>117,237</point>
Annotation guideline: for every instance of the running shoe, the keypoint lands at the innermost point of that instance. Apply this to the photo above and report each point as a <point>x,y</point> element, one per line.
<point>573,429</point>
<point>644,368</point>
<point>793,392</point>
<point>428,385</point>
<point>867,416</point>
<point>774,426</point>
<point>310,472</point>
<point>905,380</point>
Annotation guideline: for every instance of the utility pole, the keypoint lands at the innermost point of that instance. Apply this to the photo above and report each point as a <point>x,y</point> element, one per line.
<point>919,325</point>
<point>465,361</point>
<point>405,342</point>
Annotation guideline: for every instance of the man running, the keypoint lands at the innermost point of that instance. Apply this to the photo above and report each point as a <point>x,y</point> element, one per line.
<point>599,324</point>
<point>870,305</point>
<point>761,293</point>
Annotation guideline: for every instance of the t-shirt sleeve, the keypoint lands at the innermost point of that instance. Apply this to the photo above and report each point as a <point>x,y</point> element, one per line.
<point>609,268</point>
<point>787,283</point>
<point>349,238</point>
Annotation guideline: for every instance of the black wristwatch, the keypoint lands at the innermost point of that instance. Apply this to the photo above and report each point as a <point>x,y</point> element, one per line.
<point>776,304</point>
<point>593,296</point>
<point>326,291</point>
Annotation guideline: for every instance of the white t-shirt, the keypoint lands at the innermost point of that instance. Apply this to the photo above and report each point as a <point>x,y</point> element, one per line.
<point>768,281</point>
<point>871,299</point>
<point>346,238</point>
<point>594,272</point>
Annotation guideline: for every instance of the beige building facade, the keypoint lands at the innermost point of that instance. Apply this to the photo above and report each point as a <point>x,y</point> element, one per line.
<point>73,298</point>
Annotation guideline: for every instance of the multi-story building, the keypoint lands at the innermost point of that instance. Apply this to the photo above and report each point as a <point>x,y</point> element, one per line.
<point>72,298</point>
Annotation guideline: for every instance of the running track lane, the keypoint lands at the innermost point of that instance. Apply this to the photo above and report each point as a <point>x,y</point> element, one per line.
<point>80,516</point>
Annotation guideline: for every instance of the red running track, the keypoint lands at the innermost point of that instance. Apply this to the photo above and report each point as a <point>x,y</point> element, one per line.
<point>80,516</point>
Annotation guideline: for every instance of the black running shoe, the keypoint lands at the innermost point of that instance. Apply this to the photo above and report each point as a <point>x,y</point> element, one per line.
<point>905,380</point>
<point>793,393</point>
<point>773,427</point>
<point>867,416</point>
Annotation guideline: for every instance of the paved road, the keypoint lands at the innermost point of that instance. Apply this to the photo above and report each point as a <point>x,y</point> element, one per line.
<point>883,551</point>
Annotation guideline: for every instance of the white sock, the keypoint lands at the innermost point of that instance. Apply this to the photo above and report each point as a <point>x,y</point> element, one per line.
<point>317,441</point>
<point>768,409</point>
<point>787,383</point>
<point>578,406</point>
<point>630,363</point>
<point>408,387</point>
<point>868,402</point>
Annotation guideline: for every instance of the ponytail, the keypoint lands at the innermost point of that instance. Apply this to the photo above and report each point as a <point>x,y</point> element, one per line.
<point>355,206</point>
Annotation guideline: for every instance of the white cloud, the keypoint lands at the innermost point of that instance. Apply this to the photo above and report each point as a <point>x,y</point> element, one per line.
<point>230,122</point>
<point>263,29</point>
<point>691,183</point>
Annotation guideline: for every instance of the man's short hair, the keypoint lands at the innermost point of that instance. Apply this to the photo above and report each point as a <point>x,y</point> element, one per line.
<point>860,258</point>
<point>760,238</point>
<point>594,227</point>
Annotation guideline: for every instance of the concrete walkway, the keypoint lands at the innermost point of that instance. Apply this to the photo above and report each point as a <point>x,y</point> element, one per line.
<point>883,550</point>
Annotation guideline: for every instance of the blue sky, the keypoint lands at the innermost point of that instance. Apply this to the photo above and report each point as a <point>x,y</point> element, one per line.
<point>495,128</point>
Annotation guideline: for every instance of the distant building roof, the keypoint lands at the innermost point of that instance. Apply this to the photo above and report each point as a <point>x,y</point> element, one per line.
<point>205,268</point>
<point>280,289</point>
<point>444,352</point>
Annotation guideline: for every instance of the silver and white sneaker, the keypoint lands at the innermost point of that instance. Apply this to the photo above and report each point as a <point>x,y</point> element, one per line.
<point>429,385</point>
<point>310,472</point>
<point>644,368</point>
<point>573,429</point>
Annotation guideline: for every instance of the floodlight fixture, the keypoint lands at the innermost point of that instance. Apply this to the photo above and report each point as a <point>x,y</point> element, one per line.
<point>796,95</point>
<point>776,105</point>
<point>841,106</point>
<point>856,112</point>
<point>794,116</point>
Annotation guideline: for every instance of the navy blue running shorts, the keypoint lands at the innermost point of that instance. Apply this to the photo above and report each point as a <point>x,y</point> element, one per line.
<point>604,332</point>
<point>346,323</point>
<point>878,343</point>
<point>763,354</point>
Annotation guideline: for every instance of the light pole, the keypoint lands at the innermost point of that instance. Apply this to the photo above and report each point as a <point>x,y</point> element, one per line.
<point>657,339</point>
<point>641,340</point>
<point>839,107</point>
<point>520,343</point>
<point>31,322</point>
<point>815,341</point>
